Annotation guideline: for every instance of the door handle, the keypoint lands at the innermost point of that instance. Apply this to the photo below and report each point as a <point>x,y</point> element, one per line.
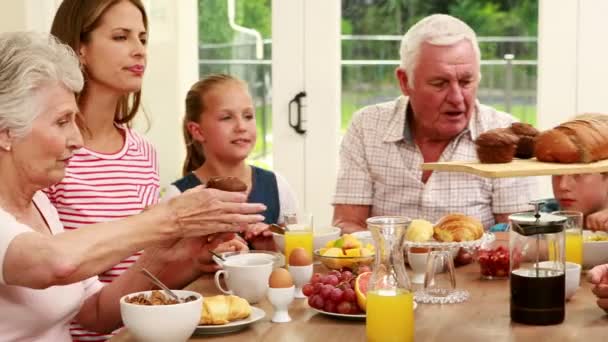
<point>297,124</point>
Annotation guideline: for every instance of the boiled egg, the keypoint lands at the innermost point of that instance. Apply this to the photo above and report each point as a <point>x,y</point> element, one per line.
<point>280,278</point>
<point>299,257</point>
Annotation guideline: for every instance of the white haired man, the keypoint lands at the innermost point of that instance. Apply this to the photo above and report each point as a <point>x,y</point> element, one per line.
<point>437,119</point>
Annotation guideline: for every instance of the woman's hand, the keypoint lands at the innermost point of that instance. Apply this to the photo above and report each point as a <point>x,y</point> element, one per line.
<point>257,229</point>
<point>218,243</point>
<point>597,220</point>
<point>260,237</point>
<point>201,211</point>
<point>599,277</point>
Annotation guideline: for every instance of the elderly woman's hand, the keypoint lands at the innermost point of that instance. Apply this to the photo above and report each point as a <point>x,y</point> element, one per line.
<point>597,220</point>
<point>599,277</point>
<point>201,211</point>
<point>218,243</point>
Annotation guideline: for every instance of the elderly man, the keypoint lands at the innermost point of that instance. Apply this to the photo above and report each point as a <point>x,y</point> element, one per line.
<point>437,119</point>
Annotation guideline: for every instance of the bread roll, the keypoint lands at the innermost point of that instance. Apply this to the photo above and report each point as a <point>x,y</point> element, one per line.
<point>419,231</point>
<point>496,146</point>
<point>457,228</point>
<point>231,184</point>
<point>582,140</point>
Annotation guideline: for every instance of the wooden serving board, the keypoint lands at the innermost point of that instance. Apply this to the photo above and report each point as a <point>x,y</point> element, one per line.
<point>517,168</point>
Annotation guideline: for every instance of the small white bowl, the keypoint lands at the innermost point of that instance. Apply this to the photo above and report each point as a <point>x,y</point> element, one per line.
<point>301,275</point>
<point>320,238</point>
<point>280,298</point>
<point>152,323</point>
<point>594,252</point>
<point>573,276</point>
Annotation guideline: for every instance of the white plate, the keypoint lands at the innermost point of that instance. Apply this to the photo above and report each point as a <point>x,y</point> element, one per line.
<point>359,317</point>
<point>256,315</point>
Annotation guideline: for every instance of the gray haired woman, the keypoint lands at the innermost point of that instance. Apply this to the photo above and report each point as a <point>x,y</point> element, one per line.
<point>46,274</point>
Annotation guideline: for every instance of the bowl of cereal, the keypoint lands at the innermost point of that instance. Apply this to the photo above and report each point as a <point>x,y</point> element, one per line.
<point>154,316</point>
<point>595,248</point>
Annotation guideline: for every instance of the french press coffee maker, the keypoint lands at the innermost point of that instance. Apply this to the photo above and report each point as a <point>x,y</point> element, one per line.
<point>537,267</point>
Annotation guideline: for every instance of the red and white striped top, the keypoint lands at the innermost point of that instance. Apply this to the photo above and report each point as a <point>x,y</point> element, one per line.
<point>101,187</point>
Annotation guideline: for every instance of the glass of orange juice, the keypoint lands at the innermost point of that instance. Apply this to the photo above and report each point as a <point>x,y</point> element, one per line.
<point>574,235</point>
<point>299,233</point>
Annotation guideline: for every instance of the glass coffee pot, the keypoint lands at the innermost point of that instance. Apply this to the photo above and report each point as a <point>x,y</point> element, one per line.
<point>537,268</point>
<point>390,301</point>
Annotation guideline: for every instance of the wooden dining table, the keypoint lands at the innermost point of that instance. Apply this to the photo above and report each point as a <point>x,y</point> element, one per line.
<point>483,317</point>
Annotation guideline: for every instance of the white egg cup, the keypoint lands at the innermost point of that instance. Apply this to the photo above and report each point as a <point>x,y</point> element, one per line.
<point>301,275</point>
<point>280,298</point>
<point>417,262</point>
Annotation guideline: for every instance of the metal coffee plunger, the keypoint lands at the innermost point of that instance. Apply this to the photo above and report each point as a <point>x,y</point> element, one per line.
<point>537,267</point>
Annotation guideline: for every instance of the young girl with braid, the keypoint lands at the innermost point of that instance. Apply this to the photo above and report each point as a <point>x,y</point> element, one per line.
<point>220,132</point>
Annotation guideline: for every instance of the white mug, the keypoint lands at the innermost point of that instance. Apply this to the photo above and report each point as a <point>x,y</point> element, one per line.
<point>246,276</point>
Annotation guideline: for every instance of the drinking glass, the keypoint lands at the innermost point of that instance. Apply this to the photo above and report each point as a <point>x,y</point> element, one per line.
<point>440,280</point>
<point>299,233</point>
<point>574,235</point>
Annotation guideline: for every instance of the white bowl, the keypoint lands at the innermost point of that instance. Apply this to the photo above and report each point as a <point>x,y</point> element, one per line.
<point>320,238</point>
<point>175,322</point>
<point>594,252</point>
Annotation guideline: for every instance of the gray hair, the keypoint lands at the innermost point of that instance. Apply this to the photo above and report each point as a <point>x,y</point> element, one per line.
<point>29,61</point>
<point>436,29</point>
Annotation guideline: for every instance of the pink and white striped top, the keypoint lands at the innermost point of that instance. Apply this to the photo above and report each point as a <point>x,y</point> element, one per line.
<point>101,187</point>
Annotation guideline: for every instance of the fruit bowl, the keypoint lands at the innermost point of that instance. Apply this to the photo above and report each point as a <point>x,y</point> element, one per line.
<point>340,262</point>
<point>595,248</point>
<point>493,257</point>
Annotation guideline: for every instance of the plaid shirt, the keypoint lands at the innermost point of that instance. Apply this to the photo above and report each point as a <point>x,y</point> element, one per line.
<point>380,166</point>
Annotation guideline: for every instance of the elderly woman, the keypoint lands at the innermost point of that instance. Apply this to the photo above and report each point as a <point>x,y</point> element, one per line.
<point>46,274</point>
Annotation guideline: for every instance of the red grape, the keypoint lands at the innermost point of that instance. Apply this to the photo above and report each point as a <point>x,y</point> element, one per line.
<point>345,286</point>
<point>311,301</point>
<point>344,308</point>
<point>326,290</point>
<point>330,306</point>
<point>316,278</point>
<point>336,295</point>
<point>316,302</point>
<point>347,275</point>
<point>331,280</point>
<point>308,290</point>
<point>317,287</point>
<point>349,295</point>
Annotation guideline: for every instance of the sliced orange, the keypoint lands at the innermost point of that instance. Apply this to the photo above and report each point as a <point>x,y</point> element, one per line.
<point>361,289</point>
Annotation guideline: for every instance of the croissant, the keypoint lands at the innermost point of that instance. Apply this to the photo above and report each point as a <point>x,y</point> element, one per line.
<point>223,309</point>
<point>458,227</point>
<point>582,140</point>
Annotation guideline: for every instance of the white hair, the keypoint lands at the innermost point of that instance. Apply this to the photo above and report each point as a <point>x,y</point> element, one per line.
<point>28,62</point>
<point>436,29</point>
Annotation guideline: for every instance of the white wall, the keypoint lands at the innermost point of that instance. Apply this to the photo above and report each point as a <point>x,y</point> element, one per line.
<point>172,67</point>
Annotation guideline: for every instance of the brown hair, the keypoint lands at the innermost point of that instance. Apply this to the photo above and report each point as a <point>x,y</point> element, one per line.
<point>73,23</point>
<point>195,106</point>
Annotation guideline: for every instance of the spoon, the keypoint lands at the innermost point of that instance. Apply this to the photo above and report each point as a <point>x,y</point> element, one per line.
<point>217,255</point>
<point>160,284</point>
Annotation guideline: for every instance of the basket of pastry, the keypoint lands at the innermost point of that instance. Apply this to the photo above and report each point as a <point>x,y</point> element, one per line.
<point>451,231</point>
